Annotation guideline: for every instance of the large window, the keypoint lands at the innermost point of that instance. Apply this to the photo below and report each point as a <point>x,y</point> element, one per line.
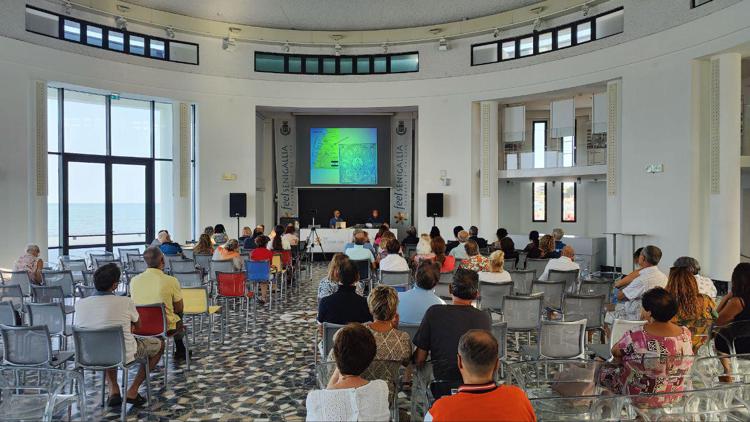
<point>540,143</point>
<point>337,65</point>
<point>539,202</point>
<point>568,202</point>
<point>109,171</point>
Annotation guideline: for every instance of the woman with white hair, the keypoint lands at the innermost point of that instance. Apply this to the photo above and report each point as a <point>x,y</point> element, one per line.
<point>31,263</point>
<point>496,273</point>
<point>558,234</point>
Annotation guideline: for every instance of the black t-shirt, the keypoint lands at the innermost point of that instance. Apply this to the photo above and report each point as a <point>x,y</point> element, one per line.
<point>410,240</point>
<point>439,332</point>
<point>343,307</point>
<point>481,242</point>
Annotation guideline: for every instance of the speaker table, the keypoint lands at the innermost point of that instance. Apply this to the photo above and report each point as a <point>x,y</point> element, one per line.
<point>333,240</point>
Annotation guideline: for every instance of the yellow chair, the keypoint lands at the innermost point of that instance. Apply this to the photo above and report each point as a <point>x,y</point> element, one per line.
<point>280,273</point>
<point>195,300</point>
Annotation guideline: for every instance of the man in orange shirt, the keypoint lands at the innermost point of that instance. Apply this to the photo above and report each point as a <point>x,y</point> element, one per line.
<point>480,398</point>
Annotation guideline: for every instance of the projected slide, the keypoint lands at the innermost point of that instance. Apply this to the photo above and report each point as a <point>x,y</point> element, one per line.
<point>344,156</point>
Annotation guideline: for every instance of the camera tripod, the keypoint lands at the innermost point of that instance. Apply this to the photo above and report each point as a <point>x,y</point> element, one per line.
<point>312,239</point>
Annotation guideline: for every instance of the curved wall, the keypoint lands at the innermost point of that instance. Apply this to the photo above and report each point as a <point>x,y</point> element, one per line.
<point>657,106</point>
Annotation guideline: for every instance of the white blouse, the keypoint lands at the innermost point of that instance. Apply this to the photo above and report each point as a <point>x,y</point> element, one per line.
<point>489,277</point>
<point>366,403</point>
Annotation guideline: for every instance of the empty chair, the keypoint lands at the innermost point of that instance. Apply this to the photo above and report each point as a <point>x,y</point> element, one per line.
<point>510,264</point>
<point>590,308</point>
<point>188,252</point>
<point>500,331</point>
<point>395,278</point>
<point>597,288</point>
<point>492,295</point>
<point>232,286</point>
<point>569,277</point>
<point>41,394</point>
<point>442,289</point>
<point>53,294</point>
<point>123,254</point>
<point>30,346</point>
<point>189,279</point>
<point>75,266</point>
<point>85,291</point>
<point>138,265</point>
<point>521,260</point>
<point>18,278</point>
<point>203,262</point>
<point>537,265</point>
<point>7,314</point>
<point>93,255</point>
<point>522,280</point>
<point>224,266</point>
<point>64,279</point>
<point>619,327</point>
<point>196,305</point>
<point>169,259</point>
<point>523,314</point>
<point>558,340</point>
<point>99,261</point>
<point>181,266</point>
<point>51,315</point>
<point>552,291</point>
<point>13,295</point>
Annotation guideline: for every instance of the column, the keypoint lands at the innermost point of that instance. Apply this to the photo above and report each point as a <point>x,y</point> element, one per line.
<point>614,174</point>
<point>724,164</point>
<point>488,166</point>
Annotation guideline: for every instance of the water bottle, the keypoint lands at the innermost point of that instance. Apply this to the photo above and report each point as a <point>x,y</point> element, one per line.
<point>585,273</point>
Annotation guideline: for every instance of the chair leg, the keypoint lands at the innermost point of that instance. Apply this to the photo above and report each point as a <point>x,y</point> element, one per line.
<point>210,330</point>
<point>124,395</point>
<point>186,337</point>
<point>247,310</point>
<point>104,385</point>
<point>167,351</point>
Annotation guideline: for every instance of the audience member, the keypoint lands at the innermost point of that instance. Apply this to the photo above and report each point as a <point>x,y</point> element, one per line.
<point>330,283</point>
<point>375,219</point>
<point>496,272</point>
<point>348,396</point>
<point>414,303</point>
<point>209,230</point>
<point>705,285</point>
<point>423,250</point>
<point>357,251</point>
<point>249,243</point>
<point>558,234</point>
<point>658,338</point>
<point>447,263</point>
<point>279,243</point>
<point>230,251</point>
<point>157,241</point>
<point>105,309</point>
<point>629,298</point>
<point>411,236</point>
<point>204,245</point>
<point>167,246</point>
<point>696,311</point>
<point>434,232</point>
<point>261,253</point>
<point>246,233</point>
<point>393,261</point>
<point>443,326</point>
<point>474,260</point>
<point>547,248</point>
<point>220,234</point>
<point>31,263</point>
<point>381,230</point>
<point>383,245</point>
<point>566,262</point>
<point>153,286</point>
<point>501,234</point>
<point>290,235</point>
<point>335,219</point>
<point>459,252</point>
<point>508,248</point>
<point>367,245</point>
<point>623,282</point>
<point>345,305</point>
<point>734,308</point>
<point>480,398</point>
<point>474,235</point>
<point>532,248</point>
<point>453,243</point>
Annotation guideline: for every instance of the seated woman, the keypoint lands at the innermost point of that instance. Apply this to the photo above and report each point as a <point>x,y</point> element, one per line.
<point>220,235</point>
<point>496,272</point>
<point>393,261</point>
<point>509,248</point>
<point>411,236</point>
<point>31,263</point>
<point>447,262</point>
<point>290,235</point>
<point>382,229</point>
<point>167,246</point>
<point>278,242</point>
<point>348,396</point>
<point>261,253</point>
<point>330,283</point>
<point>659,338</point>
<point>696,311</point>
<point>423,250</point>
<point>383,245</point>
<point>734,308</point>
<point>204,246</point>
<point>547,248</point>
<point>501,234</point>
<point>230,250</point>
<point>532,248</point>
<point>475,261</point>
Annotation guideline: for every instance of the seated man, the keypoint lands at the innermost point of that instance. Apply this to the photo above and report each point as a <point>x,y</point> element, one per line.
<point>105,309</point>
<point>412,304</point>
<point>474,235</point>
<point>167,246</point>
<point>563,263</point>
<point>335,219</point>
<point>453,243</point>
<point>367,244</point>
<point>459,252</point>
<point>153,286</point>
<point>442,327</point>
<point>480,398</point>
<point>375,219</point>
<point>345,305</point>
<point>629,298</point>
<point>358,250</point>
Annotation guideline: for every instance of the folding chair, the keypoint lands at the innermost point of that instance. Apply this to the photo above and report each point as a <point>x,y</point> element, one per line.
<point>153,323</point>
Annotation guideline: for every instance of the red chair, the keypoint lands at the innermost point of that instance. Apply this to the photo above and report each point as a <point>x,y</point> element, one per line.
<point>153,323</point>
<point>233,286</point>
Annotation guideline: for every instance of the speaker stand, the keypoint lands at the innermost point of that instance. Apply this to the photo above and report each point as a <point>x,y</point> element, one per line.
<point>434,216</point>
<point>238,225</point>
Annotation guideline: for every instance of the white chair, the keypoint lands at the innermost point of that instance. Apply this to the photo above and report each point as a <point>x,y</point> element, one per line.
<point>619,327</point>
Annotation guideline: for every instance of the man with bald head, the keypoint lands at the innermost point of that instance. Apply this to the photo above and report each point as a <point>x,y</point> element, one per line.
<point>566,262</point>
<point>358,251</point>
<point>480,397</point>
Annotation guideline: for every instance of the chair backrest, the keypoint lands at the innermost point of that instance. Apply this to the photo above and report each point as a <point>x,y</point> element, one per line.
<point>51,315</point>
<point>590,308</point>
<point>552,291</point>
<point>11,294</point>
<point>138,265</point>
<point>620,327</point>
<point>410,251</point>
<point>523,312</point>
<point>85,291</point>
<point>257,271</point>
<point>153,321</point>
<point>181,266</point>
<point>231,284</point>
<point>363,265</point>
<point>276,261</point>
<point>18,278</point>
<point>442,289</point>
<point>224,266</point>
<point>329,330</point>
<point>195,300</point>
<point>500,331</point>
<point>522,280</point>
<point>203,261</point>
<point>410,329</point>
<point>492,295</point>
<point>44,294</point>
<point>88,277</point>
<point>536,264</point>
<point>510,264</point>
<point>124,253</point>
<point>597,288</point>
<point>100,348</point>
<point>64,279</point>
<point>188,252</point>
<point>394,278</point>
<point>76,265</point>
<point>569,277</point>
<point>562,340</point>
<point>103,260</point>
<point>26,346</point>
<point>7,314</point>
<point>189,278</point>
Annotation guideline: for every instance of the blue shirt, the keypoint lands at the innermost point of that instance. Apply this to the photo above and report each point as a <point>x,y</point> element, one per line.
<point>332,222</point>
<point>358,252</point>
<point>559,245</point>
<point>367,246</point>
<point>459,252</point>
<point>413,303</point>
<point>171,248</point>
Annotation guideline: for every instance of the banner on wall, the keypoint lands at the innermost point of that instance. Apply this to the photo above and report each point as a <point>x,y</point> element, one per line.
<point>401,173</point>
<point>286,168</point>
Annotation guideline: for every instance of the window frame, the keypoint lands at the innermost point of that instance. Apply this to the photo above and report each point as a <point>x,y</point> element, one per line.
<point>321,58</point>
<point>546,200</point>
<point>562,203</point>
<point>533,143</point>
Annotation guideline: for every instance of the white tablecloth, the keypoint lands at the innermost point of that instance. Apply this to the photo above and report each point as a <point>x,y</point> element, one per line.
<point>333,240</point>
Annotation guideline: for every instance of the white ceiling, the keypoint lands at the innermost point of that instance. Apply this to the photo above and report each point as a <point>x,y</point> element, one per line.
<point>335,15</point>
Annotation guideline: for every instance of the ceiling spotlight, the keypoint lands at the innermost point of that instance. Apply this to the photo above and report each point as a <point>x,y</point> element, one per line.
<point>228,44</point>
<point>121,23</point>
<point>286,48</point>
<point>496,33</point>
<point>169,31</point>
<point>337,49</point>
<point>385,47</point>
<point>443,44</point>
<point>67,6</point>
<point>585,9</point>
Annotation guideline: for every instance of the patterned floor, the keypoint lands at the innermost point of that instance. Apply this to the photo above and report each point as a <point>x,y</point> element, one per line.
<point>262,374</point>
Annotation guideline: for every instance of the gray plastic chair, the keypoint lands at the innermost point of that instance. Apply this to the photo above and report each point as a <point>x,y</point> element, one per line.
<point>537,265</point>
<point>189,279</point>
<point>222,266</point>
<point>569,277</point>
<point>41,394</point>
<point>125,253</point>
<point>522,280</point>
<point>18,278</point>
<point>500,331</point>
<point>102,255</point>
<point>523,314</point>
<point>492,295</point>
<point>558,340</point>
<point>410,329</point>
<point>88,278</point>
<point>203,262</point>
<point>326,343</point>
<point>619,327</point>
<point>394,278</point>
<point>597,288</point>
<point>52,294</point>
<point>85,291</point>
<point>7,314</point>
<point>12,294</point>
<point>64,279</point>
<point>441,289</point>
<point>168,259</point>
<point>188,252</point>
<point>75,266</point>
<point>181,266</point>
<point>138,265</point>
<point>510,264</point>
<point>102,349</point>
<point>51,315</point>
<point>590,308</point>
<point>552,291</point>
<point>31,346</point>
